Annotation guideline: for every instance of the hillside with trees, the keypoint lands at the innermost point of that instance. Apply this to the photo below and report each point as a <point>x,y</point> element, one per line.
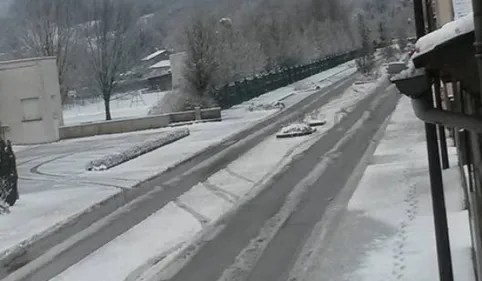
<point>95,41</point>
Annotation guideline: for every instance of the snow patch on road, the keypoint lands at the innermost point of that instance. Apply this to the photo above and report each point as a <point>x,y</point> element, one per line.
<point>37,214</point>
<point>206,202</point>
<point>119,258</point>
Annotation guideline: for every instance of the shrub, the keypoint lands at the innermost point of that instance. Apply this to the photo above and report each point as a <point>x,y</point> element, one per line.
<point>8,176</point>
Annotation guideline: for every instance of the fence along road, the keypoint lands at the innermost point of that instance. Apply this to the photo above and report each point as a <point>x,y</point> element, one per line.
<point>78,240</point>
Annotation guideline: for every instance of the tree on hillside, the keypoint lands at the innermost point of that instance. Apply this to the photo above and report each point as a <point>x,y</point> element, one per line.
<point>239,55</point>
<point>45,29</point>
<point>366,59</point>
<point>108,43</point>
<point>382,32</point>
<point>201,64</point>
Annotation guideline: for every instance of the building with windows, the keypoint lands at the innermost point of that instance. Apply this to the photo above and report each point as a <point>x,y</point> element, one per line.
<point>30,105</point>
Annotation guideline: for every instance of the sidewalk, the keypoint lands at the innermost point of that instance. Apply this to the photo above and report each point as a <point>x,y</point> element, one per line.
<point>386,231</point>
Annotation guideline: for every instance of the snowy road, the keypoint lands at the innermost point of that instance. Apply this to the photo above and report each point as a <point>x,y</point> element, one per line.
<point>262,240</point>
<point>179,180</point>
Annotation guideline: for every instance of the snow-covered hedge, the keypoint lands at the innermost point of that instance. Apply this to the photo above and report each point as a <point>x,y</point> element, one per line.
<point>269,106</point>
<point>296,129</point>
<point>113,160</point>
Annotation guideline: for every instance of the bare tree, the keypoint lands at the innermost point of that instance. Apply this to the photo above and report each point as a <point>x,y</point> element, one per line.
<point>109,37</point>
<point>366,59</point>
<point>45,29</point>
<point>201,65</point>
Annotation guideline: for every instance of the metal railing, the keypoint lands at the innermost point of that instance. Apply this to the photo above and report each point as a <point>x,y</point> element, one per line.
<point>240,91</point>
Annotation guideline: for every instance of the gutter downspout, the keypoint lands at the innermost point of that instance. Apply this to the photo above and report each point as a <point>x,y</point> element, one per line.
<point>427,113</point>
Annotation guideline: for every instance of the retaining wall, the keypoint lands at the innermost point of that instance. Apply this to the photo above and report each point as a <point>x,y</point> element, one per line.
<point>138,124</point>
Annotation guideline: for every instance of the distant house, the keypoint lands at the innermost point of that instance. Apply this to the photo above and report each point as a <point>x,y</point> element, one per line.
<point>163,64</point>
<point>158,70</point>
<point>152,71</point>
<point>160,79</point>
<point>157,56</point>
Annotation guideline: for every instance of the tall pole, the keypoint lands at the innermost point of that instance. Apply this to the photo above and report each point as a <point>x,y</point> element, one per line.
<point>444,258</point>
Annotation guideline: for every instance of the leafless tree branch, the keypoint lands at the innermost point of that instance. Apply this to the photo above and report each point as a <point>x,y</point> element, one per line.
<point>109,38</point>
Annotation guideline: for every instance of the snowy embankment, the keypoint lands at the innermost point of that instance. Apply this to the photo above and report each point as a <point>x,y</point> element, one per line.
<point>392,205</point>
<point>49,200</point>
<point>135,151</point>
<point>134,256</point>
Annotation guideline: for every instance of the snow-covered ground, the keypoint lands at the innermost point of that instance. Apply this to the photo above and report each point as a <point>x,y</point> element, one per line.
<point>386,232</point>
<point>135,258</point>
<point>53,175</point>
<point>130,106</point>
<point>122,106</point>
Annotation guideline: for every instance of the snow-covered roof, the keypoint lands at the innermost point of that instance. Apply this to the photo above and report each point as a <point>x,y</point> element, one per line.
<point>153,55</point>
<point>162,63</point>
<point>449,31</point>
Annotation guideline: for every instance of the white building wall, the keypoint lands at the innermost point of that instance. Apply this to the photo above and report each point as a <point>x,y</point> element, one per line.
<point>30,100</point>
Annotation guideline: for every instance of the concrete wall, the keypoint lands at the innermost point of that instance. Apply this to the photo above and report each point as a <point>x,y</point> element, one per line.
<point>30,103</point>
<point>135,124</point>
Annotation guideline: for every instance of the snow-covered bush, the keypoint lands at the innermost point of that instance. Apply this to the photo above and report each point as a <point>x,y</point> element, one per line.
<point>113,160</point>
<point>296,129</point>
<point>270,106</point>
<point>8,176</point>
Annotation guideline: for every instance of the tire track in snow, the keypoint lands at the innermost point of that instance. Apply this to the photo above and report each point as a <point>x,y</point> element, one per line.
<point>249,256</point>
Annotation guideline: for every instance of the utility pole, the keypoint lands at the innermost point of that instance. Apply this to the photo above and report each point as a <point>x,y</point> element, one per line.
<point>444,258</point>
